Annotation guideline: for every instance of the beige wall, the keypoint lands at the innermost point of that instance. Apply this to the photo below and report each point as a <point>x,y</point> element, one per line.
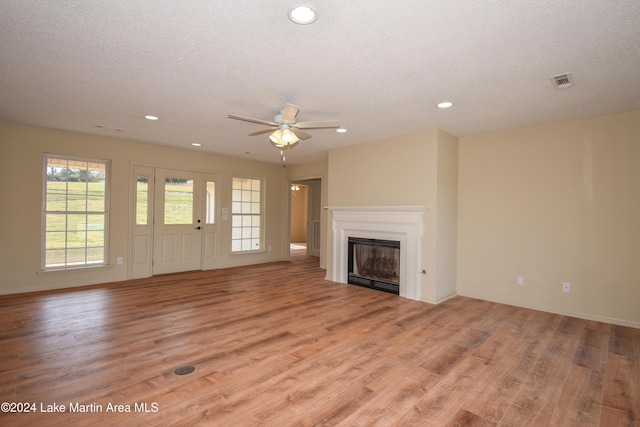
<point>446,216</point>
<point>398,171</point>
<point>418,169</point>
<point>21,157</point>
<point>553,203</point>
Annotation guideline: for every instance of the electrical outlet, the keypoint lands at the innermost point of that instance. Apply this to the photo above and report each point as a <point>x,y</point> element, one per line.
<point>566,286</point>
<point>520,280</point>
<point>119,261</point>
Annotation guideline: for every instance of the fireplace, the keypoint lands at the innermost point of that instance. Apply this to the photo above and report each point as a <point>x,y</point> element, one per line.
<point>374,263</point>
<point>398,223</point>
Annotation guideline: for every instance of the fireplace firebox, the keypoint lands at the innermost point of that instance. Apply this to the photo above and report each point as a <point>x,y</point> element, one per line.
<point>374,263</point>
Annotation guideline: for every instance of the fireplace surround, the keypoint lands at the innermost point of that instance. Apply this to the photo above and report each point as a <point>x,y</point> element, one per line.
<point>398,223</point>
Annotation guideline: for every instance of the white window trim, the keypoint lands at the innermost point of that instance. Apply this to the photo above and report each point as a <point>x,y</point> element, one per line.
<point>43,250</point>
<point>261,215</point>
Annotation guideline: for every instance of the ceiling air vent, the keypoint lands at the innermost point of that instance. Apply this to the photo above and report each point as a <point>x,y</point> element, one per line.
<point>562,81</point>
<point>108,128</point>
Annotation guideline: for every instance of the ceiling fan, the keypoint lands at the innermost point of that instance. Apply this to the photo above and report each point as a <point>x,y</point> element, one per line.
<point>285,130</point>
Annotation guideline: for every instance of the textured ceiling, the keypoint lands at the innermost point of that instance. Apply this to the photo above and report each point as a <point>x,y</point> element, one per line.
<point>379,67</point>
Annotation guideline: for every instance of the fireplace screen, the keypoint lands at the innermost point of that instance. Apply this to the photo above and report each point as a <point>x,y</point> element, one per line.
<point>375,263</point>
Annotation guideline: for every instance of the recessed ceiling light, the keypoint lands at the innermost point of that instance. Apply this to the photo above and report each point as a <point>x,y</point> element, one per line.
<point>341,130</point>
<point>196,144</point>
<point>302,15</point>
<point>445,104</point>
<point>149,117</point>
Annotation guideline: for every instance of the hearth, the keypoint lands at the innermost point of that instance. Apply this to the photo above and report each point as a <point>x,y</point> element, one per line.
<point>374,263</point>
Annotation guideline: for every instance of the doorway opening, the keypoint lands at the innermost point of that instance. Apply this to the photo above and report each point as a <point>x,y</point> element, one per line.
<point>305,217</point>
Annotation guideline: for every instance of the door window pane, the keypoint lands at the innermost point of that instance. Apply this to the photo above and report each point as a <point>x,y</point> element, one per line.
<point>178,201</point>
<point>211,203</point>
<point>142,200</point>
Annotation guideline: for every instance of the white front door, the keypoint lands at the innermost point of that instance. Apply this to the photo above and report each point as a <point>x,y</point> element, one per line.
<point>178,221</point>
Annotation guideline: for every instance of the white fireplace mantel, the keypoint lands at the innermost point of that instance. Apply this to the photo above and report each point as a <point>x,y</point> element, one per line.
<point>400,223</point>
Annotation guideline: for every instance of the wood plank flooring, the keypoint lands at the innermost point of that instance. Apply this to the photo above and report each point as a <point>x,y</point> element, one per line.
<point>277,345</point>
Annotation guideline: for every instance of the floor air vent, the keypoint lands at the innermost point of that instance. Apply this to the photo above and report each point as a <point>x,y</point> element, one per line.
<point>562,81</point>
<point>184,370</point>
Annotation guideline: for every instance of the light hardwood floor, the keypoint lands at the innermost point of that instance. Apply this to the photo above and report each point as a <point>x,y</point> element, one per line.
<point>278,345</point>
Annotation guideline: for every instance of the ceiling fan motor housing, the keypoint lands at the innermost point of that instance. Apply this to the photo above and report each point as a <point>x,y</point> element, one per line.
<point>278,119</point>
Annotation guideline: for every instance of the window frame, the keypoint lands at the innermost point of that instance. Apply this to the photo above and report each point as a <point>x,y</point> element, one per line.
<point>67,266</point>
<point>259,215</point>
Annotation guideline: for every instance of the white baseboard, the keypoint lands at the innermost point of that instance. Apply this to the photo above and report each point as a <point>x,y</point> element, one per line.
<point>579,315</point>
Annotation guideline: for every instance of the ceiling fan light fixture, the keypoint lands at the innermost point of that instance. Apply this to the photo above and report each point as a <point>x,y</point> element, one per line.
<point>276,138</point>
<point>283,138</point>
<point>288,137</point>
<point>302,15</point>
<point>283,145</point>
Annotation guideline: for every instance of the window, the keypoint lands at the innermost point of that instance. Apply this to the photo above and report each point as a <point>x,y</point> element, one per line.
<point>142,200</point>
<point>178,201</point>
<point>211,203</point>
<point>75,212</point>
<point>246,215</point>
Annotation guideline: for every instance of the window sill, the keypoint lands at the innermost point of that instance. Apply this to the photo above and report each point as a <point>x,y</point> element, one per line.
<point>260,251</point>
<point>89,269</point>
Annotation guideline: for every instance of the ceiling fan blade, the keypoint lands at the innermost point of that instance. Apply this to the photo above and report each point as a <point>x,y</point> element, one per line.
<point>300,134</point>
<point>252,120</point>
<point>260,132</point>
<point>330,124</point>
<point>289,113</point>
